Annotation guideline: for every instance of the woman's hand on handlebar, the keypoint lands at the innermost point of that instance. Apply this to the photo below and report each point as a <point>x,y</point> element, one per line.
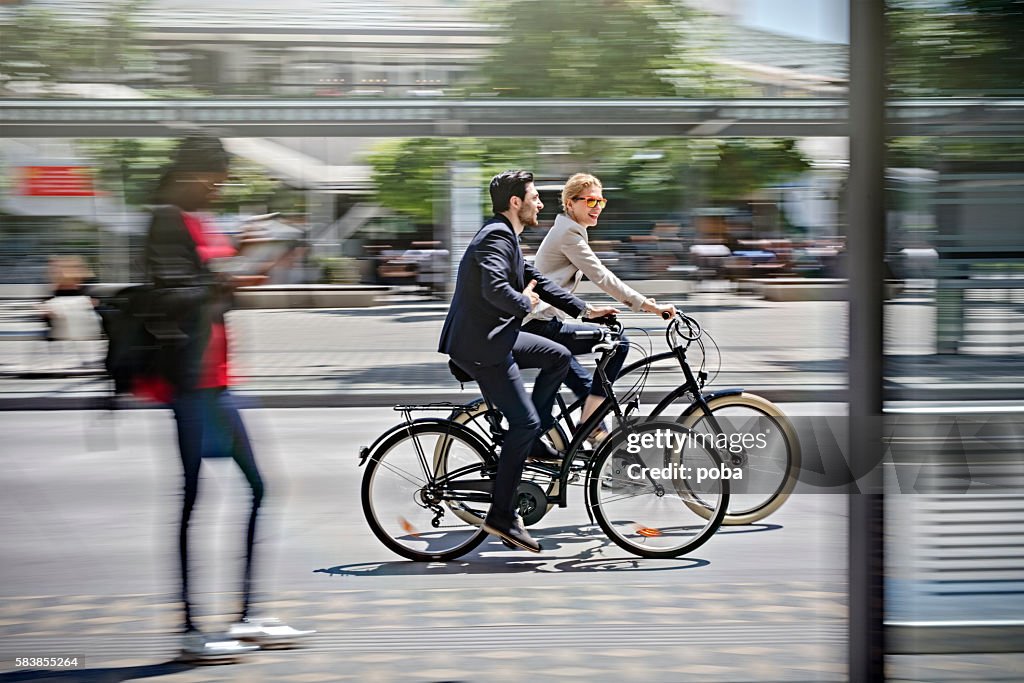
<point>665,312</point>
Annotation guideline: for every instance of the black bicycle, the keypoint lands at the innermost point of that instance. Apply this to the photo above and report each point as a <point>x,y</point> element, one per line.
<point>653,487</point>
<point>748,432</point>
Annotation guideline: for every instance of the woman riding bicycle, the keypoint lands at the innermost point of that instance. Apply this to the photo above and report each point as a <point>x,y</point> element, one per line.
<point>565,257</point>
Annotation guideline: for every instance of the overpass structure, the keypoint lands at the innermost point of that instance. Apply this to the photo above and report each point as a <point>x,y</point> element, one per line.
<point>487,117</point>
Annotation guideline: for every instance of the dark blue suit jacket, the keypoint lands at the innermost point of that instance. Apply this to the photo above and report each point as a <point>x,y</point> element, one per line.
<point>489,305</point>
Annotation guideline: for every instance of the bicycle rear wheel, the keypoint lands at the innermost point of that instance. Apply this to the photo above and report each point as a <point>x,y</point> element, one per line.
<point>422,488</point>
<point>645,483</point>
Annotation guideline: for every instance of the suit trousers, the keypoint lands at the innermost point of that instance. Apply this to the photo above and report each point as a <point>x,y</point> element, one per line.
<point>502,385</point>
<point>578,378</point>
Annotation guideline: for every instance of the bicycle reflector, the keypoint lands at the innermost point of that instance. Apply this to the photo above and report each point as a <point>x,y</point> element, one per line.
<point>407,527</point>
<point>646,531</point>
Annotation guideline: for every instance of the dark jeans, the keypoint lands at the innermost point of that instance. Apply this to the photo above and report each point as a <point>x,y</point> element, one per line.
<point>578,379</point>
<point>502,384</point>
<point>209,423</point>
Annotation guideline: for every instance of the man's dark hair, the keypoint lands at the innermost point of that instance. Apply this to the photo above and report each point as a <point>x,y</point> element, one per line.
<point>506,185</point>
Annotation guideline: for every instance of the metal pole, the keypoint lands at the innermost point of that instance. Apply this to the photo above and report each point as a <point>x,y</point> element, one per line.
<point>866,272</point>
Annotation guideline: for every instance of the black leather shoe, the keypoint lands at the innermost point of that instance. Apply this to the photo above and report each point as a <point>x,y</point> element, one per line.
<point>514,533</point>
<point>542,451</point>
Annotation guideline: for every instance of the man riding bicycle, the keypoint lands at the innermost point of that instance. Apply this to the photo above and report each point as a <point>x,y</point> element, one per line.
<point>495,290</point>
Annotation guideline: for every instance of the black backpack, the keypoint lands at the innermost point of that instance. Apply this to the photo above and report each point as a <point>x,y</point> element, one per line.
<point>132,349</point>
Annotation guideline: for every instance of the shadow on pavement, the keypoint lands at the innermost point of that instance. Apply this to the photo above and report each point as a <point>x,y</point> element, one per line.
<point>503,565</point>
<point>747,529</point>
<point>494,558</point>
<point>106,675</point>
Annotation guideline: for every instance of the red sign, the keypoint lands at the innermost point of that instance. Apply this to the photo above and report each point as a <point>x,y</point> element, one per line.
<point>56,181</point>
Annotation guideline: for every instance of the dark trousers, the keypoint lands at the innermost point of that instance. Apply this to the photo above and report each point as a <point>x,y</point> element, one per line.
<point>502,385</point>
<point>578,379</point>
<point>210,424</point>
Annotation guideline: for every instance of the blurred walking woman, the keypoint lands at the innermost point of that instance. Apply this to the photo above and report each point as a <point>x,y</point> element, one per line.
<point>565,257</point>
<point>191,301</point>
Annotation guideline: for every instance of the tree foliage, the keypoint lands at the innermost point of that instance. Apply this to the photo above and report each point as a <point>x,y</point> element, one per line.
<point>672,175</point>
<point>611,48</point>
<point>965,47</point>
<point>411,175</point>
<point>41,45</point>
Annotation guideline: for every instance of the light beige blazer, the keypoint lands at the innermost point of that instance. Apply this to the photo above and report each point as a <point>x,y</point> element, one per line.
<point>565,256</point>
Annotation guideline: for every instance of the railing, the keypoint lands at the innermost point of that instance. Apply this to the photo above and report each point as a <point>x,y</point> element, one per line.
<point>489,117</point>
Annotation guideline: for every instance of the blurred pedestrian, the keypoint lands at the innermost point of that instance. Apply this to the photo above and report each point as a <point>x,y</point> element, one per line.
<point>190,270</point>
<point>565,257</point>
<point>70,312</point>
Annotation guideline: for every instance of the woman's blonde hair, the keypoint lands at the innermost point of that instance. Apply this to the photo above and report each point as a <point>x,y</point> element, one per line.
<point>575,185</point>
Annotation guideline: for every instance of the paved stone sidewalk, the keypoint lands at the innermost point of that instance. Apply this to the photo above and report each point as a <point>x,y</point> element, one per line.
<point>795,631</point>
<point>592,632</point>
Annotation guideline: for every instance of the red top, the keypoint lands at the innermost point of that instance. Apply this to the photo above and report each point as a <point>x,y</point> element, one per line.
<point>214,372</point>
<point>210,245</point>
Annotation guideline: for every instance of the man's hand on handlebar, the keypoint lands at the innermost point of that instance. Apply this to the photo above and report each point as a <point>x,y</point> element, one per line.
<point>595,312</point>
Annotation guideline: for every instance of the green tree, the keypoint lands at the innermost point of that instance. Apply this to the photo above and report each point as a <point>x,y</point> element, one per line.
<point>966,47</point>
<point>38,44</point>
<point>614,48</point>
<point>672,175</point>
<point>410,176</point>
<point>748,164</point>
<point>117,45</point>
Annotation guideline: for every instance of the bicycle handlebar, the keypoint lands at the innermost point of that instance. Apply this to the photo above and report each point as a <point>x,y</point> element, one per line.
<point>588,334</point>
<point>692,331</point>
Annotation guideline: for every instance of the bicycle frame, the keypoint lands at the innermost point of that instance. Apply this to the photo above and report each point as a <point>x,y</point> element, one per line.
<point>690,386</point>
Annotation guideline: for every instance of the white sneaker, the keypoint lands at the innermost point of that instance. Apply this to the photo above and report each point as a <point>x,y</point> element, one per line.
<point>201,648</point>
<point>267,632</point>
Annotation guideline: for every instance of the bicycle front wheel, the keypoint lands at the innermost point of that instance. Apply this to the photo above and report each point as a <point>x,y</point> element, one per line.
<point>755,439</point>
<point>647,481</point>
<point>422,489</point>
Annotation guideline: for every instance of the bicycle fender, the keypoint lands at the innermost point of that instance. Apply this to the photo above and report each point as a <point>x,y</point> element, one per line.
<point>681,391</point>
<point>731,391</point>
<point>366,451</point>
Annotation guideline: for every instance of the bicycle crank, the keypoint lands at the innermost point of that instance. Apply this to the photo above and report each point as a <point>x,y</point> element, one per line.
<point>531,502</point>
